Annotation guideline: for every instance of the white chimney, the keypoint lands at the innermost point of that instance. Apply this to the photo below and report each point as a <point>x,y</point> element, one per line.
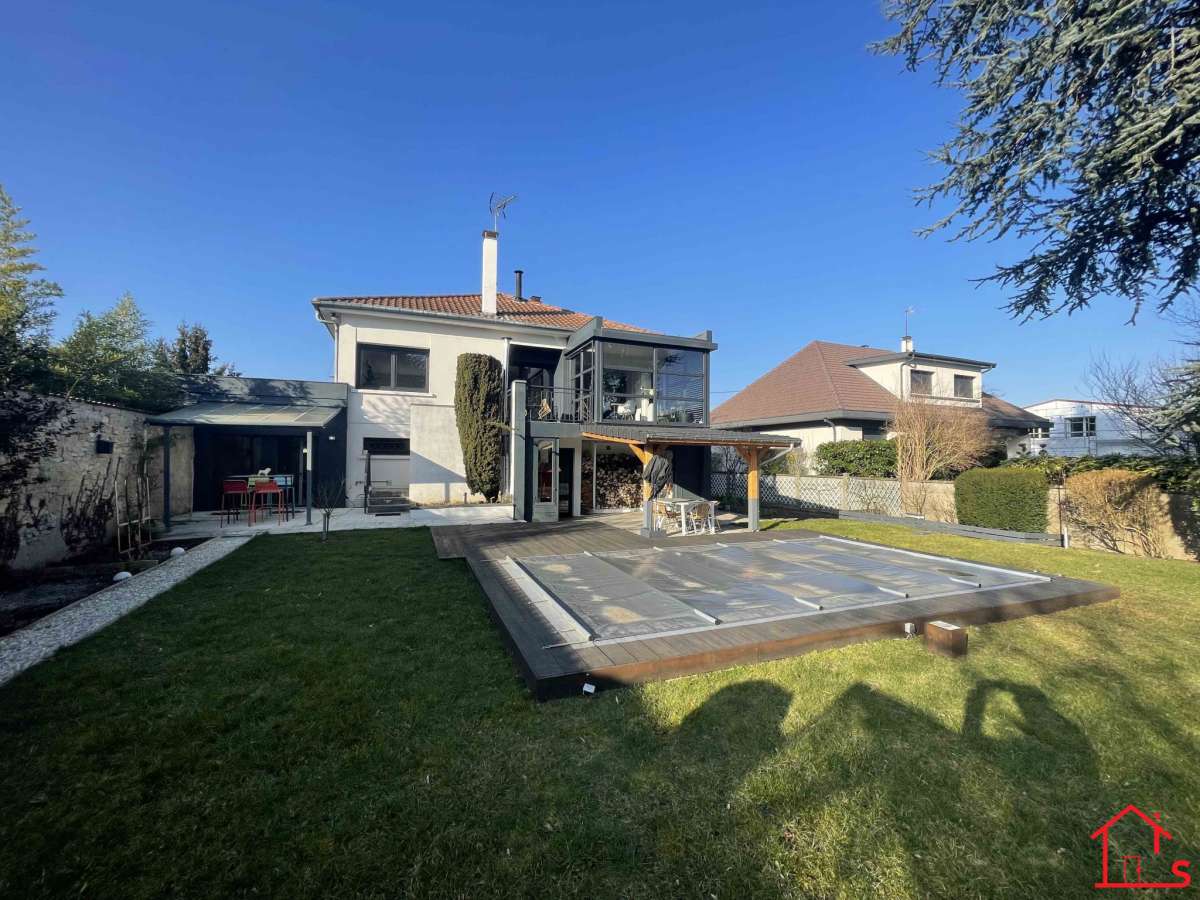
<point>491,254</point>
<point>906,344</point>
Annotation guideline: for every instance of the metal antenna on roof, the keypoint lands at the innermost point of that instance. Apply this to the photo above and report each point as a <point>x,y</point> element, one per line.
<point>908,311</point>
<point>497,206</point>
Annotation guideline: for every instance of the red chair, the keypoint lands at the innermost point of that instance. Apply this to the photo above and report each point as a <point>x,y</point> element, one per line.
<point>237,491</point>
<point>260,498</point>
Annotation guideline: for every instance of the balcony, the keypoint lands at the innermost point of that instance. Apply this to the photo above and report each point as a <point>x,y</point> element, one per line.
<point>549,404</point>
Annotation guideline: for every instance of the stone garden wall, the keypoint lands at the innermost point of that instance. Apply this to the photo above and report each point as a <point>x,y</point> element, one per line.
<point>67,508</point>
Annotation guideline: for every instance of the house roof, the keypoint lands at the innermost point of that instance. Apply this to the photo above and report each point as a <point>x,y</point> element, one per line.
<point>815,379</point>
<point>1159,830</point>
<point>818,382</point>
<point>508,309</point>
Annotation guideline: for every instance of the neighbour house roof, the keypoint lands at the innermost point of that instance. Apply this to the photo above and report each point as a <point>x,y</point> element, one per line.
<point>819,382</point>
<point>526,311</point>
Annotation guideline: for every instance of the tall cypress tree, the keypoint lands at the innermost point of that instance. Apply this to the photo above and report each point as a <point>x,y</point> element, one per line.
<point>478,407</point>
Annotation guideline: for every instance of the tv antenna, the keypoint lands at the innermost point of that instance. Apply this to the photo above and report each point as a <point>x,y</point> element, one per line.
<point>908,311</point>
<point>497,206</point>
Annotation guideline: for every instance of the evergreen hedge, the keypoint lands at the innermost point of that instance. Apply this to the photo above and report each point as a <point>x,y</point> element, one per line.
<point>478,409</point>
<point>1002,498</point>
<point>864,459</point>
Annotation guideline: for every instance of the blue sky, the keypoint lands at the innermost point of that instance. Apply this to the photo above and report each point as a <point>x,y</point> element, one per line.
<point>741,167</point>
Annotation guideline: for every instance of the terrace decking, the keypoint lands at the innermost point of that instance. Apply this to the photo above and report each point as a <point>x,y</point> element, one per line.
<point>583,601</point>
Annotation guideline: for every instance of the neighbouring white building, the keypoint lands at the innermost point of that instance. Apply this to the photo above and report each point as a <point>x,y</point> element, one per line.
<point>1078,428</point>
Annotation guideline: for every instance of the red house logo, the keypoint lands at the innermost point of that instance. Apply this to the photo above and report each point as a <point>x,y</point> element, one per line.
<point>1129,866</point>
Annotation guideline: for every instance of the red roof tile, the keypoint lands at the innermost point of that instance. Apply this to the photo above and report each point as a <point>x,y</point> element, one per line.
<point>508,309</point>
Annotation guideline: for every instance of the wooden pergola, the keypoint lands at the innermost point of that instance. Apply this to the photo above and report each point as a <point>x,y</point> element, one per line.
<point>750,447</point>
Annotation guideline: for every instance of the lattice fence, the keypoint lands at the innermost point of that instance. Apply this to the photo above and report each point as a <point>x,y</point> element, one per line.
<point>813,493</point>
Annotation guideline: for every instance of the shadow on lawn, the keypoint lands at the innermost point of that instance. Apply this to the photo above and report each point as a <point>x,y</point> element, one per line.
<point>1004,806</point>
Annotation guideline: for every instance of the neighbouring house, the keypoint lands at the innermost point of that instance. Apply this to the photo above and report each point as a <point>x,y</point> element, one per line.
<point>837,392</point>
<point>589,401</point>
<point>1079,428</point>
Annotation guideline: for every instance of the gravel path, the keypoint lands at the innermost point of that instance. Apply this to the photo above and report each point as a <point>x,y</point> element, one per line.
<point>71,624</point>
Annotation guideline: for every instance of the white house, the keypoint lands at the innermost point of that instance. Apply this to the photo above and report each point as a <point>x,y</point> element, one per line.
<point>1078,428</point>
<point>588,398</point>
<point>836,392</point>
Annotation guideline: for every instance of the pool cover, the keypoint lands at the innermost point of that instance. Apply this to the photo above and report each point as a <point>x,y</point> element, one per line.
<point>632,594</point>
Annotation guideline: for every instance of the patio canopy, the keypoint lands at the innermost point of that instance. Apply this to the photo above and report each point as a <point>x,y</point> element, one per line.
<point>253,415</point>
<point>708,437</point>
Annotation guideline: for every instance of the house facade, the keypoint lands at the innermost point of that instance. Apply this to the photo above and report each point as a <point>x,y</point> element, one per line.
<point>836,392</point>
<point>587,397</point>
<point>1078,428</point>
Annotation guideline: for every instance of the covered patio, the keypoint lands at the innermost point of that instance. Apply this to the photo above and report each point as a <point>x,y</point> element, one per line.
<point>293,430</point>
<point>651,446</point>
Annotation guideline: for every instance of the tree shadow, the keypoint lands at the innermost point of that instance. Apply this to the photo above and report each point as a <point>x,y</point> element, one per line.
<point>1004,805</point>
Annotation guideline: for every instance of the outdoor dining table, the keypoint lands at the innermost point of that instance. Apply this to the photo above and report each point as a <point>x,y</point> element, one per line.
<point>684,506</point>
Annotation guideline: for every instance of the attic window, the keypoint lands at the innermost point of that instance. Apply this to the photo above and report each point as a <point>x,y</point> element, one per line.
<point>920,383</point>
<point>964,387</point>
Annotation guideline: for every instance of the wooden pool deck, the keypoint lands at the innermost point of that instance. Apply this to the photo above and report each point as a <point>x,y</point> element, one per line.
<point>558,671</point>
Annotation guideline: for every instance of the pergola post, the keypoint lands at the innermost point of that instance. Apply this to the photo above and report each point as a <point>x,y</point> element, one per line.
<point>167,476</point>
<point>752,492</point>
<point>750,455</point>
<point>644,455</point>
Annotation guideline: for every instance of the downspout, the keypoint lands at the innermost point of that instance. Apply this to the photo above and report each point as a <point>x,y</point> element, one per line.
<point>832,425</point>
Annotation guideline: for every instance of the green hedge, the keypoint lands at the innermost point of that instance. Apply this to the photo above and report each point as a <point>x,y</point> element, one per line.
<point>1174,474</point>
<point>864,459</point>
<point>1002,498</point>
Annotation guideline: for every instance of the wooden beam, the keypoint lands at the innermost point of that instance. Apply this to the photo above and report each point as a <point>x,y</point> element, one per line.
<point>642,453</point>
<point>592,436</point>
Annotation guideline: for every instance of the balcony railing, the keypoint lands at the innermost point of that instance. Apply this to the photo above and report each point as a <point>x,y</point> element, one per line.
<point>548,404</point>
<point>976,400</point>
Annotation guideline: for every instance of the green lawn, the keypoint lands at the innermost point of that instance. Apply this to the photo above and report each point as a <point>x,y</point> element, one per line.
<point>343,720</point>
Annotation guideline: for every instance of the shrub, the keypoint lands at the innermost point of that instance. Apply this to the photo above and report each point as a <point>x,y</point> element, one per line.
<point>1174,474</point>
<point>478,402</point>
<point>865,459</point>
<point>1117,510</point>
<point>1001,498</point>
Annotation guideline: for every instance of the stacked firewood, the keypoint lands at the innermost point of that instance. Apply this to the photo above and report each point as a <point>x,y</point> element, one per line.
<point>618,481</point>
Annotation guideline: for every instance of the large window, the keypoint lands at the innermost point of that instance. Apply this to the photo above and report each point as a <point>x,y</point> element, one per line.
<point>920,383</point>
<point>628,382</point>
<point>545,472</point>
<point>581,372</point>
<point>679,398</point>
<point>392,368</point>
<point>1081,426</point>
<point>964,387</point>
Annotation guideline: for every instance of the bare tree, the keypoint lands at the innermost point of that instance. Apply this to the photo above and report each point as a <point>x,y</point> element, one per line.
<point>935,439</point>
<point>328,497</point>
<point>1158,400</point>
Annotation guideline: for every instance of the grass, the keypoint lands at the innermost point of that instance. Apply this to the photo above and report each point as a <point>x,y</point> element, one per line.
<point>307,720</point>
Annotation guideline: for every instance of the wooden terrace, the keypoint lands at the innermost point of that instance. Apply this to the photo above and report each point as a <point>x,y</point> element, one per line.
<point>553,667</point>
